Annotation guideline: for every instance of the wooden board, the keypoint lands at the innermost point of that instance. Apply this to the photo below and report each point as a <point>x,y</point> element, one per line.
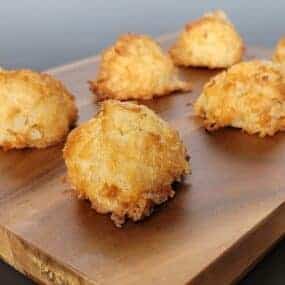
<point>228,213</point>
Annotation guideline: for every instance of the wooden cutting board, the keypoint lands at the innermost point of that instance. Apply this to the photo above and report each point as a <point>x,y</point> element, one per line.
<point>221,221</point>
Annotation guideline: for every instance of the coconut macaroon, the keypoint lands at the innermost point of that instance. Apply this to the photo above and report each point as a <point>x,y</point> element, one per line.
<point>279,53</point>
<point>36,110</point>
<point>125,160</point>
<point>210,41</point>
<point>135,67</point>
<point>250,95</point>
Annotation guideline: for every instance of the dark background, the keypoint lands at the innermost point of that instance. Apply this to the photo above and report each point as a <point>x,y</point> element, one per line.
<point>42,34</point>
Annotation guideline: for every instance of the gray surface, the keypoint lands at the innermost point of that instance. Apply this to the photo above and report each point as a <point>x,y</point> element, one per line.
<point>42,34</point>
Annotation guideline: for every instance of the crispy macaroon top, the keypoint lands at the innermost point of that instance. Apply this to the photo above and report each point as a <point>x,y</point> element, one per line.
<point>135,67</point>
<point>36,110</point>
<point>210,41</point>
<point>279,53</point>
<point>249,95</point>
<point>124,160</point>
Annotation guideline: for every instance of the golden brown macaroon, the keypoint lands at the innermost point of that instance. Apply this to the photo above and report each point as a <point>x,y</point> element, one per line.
<point>250,95</point>
<point>124,160</point>
<point>35,110</point>
<point>279,53</point>
<point>210,41</point>
<point>135,67</point>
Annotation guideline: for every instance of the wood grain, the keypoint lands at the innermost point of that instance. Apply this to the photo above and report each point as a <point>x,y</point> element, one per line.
<point>223,218</point>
